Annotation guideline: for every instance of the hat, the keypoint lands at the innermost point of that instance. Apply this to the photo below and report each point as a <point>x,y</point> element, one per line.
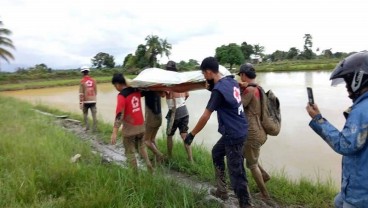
<point>248,70</point>
<point>171,66</point>
<point>84,68</point>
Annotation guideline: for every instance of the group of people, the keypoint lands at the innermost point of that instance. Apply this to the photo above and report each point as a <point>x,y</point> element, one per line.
<point>238,106</point>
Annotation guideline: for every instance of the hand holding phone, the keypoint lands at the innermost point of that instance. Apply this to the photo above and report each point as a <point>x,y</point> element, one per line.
<point>310,96</point>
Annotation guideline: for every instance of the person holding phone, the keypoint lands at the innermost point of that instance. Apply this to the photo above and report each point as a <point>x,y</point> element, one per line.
<point>351,142</point>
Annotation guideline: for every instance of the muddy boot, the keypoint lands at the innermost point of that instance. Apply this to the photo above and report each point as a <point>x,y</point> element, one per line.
<point>220,191</point>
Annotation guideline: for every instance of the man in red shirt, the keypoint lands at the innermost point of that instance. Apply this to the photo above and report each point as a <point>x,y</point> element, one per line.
<point>87,97</point>
<point>129,114</point>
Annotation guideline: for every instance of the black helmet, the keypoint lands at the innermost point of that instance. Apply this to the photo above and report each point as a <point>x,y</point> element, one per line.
<point>354,71</point>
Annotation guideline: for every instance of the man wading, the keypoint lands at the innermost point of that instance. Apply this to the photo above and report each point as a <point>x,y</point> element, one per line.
<point>87,97</point>
<point>178,116</point>
<point>226,100</point>
<point>129,114</point>
<point>351,142</point>
<point>153,120</point>
<point>251,99</point>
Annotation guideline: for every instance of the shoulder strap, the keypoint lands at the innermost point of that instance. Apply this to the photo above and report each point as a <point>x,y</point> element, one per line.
<point>127,91</point>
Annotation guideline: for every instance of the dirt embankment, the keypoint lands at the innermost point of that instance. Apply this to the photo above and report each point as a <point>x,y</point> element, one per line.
<point>115,154</point>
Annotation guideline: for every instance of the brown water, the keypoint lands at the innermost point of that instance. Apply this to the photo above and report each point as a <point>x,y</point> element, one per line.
<point>298,151</point>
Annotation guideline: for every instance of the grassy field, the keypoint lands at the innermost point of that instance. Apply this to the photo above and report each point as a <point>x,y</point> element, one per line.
<point>298,65</point>
<point>36,170</point>
<point>17,81</point>
<point>50,83</point>
<point>285,191</point>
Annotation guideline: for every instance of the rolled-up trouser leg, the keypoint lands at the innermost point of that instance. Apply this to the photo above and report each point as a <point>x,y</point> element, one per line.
<point>237,173</point>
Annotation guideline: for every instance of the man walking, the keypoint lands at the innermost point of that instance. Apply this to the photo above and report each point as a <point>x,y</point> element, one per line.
<point>178,116</point>
<point>87,97</point>
<point>251,99</point>
<point>129,115</point>
<point>226,100</point>
<point>153,120</point>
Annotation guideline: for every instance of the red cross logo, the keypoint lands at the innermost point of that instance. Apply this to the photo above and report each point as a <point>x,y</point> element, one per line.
<point>237,94</point>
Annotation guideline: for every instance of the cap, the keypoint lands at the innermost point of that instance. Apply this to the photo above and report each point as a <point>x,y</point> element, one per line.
<point>84,68</point>
<point>246,67</point>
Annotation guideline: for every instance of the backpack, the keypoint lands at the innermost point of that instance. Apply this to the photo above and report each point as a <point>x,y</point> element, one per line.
<point>270,112</point>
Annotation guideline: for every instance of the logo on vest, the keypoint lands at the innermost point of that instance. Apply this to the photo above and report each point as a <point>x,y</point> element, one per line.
<point>89,83</point>
<point>135,104</point>
<point>237,94</point>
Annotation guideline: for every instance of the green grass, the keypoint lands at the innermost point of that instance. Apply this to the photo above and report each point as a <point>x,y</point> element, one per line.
<point>50,83</point>
<point>298,65</point>
<point>36,170</point>
<point>285,191</point>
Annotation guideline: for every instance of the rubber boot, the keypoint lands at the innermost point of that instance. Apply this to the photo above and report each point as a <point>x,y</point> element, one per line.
<point>220,191</point>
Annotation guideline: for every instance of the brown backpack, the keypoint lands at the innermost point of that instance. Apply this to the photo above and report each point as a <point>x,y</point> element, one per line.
<point>270,113</point>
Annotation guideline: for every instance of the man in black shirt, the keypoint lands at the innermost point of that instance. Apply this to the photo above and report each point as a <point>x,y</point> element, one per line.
<point>153,120</point>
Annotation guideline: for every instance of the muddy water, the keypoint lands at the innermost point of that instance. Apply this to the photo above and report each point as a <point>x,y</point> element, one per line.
<point>298,151</point>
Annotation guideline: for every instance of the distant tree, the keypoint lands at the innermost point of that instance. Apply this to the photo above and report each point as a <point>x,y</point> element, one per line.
<point>258,49</point>
<point>327,53</point>
<point>308,53</point>
<point>230,54</point>
<point>193,62</point>
<point>340,55</point>
<point>129,61</point>
<point>156,46</point>
<point>247,50</point>
<point>102,60</point>
<point>187,66</point>
<point>140,57</point>
<point>5,42</point>
<point>278,55</point>
<point>292,53</point>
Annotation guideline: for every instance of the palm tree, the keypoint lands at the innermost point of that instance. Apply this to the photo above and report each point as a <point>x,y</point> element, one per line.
<point>156,46</point>
<point>166,47</point>
<point>5,42</point>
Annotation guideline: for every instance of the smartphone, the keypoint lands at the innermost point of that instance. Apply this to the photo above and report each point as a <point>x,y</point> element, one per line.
<point>310,96</point>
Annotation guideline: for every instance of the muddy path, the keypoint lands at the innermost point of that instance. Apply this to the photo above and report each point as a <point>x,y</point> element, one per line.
<point>115,154</point>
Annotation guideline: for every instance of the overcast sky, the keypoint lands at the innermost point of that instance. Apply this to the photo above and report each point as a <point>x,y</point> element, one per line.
<point>68,33</point>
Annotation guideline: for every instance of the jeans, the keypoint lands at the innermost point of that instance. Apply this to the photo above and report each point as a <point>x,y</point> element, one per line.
<point>234,158</point>
<point>340,203</point>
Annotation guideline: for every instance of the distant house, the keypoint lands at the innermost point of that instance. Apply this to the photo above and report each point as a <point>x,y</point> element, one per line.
<point>255,59</point>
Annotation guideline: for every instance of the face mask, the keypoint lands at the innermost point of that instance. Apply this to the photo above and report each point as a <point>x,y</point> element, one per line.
<point>210,84</point>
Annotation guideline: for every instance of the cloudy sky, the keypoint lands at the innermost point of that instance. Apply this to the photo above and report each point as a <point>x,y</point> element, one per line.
<point>68,33</point>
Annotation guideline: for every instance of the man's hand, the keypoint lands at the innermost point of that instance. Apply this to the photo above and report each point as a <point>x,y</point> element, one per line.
<point>243,84</point>
<point>189,139</point>
<point>81,105</point>
<point>312,110</point>
<point>113,138</point>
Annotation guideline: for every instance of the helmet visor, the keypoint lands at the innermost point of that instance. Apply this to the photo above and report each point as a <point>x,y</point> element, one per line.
<point>337,81</point>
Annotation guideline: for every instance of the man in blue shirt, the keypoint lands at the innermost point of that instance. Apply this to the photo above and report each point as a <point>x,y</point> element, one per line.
<point>226,100</point>
<point>351,142</point>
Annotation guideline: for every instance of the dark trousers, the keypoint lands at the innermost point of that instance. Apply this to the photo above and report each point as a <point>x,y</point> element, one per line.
<point>235,165</point>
